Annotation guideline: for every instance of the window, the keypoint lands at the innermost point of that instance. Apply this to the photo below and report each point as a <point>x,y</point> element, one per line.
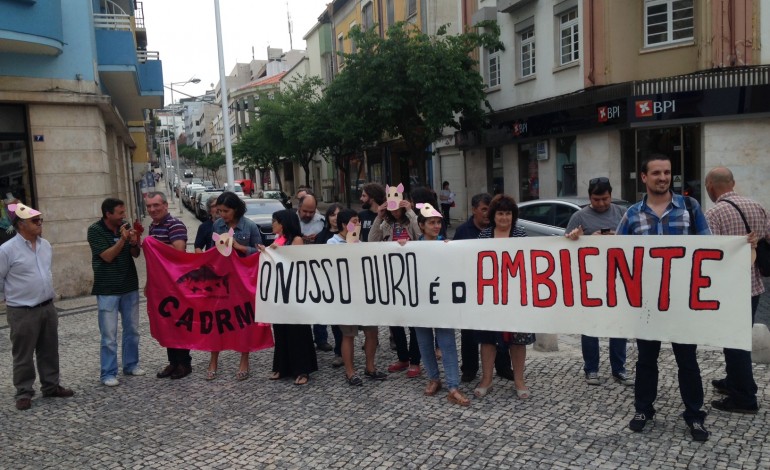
<point>340,50</point>
<point>367,16</point>
<point>493,68</point>
<point>527,52</point>
<point>668,21</point>
<point>411,8</point>
<point>569,40</point>
<point>391,12</point>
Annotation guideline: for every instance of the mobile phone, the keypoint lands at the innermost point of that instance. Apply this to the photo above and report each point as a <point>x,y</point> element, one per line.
<point>605,231</point>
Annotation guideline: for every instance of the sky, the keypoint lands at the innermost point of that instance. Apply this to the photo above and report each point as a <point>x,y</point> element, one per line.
<point>184,33</point>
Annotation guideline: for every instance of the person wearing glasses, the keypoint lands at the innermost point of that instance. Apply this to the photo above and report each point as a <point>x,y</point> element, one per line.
<point>26,285</point>
<point>600,217</point>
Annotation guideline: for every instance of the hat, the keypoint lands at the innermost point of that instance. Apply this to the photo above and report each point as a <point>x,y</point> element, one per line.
<point>21,211</point>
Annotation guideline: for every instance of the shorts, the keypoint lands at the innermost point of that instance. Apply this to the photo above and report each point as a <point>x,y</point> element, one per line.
<point>504,339</point>
<point>352,330</point>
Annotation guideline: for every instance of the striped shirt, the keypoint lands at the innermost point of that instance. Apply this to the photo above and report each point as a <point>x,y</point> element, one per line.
<point>640,219</point>
<point>168,230</point>
<point>725,220</point>
<point>516,231</point>
<point>118,277</point>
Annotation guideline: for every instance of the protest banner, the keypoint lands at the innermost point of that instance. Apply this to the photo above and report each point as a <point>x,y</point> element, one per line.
<point>203,301</point>
<point>671,288</point>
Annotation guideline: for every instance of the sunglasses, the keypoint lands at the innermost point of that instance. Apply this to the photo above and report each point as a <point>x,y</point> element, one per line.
<point>601,179</point>
<point>36,221</point>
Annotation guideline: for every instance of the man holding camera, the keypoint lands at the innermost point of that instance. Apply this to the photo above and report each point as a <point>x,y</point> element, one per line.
<point>114,244</point>
<point>600,217</point>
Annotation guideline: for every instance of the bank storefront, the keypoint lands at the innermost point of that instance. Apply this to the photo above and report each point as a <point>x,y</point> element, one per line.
<point>553,148</point>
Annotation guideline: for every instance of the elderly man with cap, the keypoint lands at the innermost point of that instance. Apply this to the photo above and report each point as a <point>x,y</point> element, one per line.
<point>26,283</point>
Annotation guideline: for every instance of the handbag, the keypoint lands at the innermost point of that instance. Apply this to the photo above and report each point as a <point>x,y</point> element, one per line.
<point>762,261</point>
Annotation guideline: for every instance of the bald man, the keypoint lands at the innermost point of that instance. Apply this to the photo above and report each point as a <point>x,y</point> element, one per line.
<point>725,219</point>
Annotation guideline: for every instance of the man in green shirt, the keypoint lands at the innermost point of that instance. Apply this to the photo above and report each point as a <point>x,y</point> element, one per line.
<point>114,244</point>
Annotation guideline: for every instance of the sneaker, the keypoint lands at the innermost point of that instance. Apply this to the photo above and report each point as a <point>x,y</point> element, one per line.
<point>398,366</point>
<point>728,405</point>
<point>337,362</point>
<point>639,421</point>
<point>623,379</point>
<point>413,372</point>
<point>111,382</point>
<point>137,372</point>
<point>698,432</point>
<point>592,378</point>
<point>376,375</point>
<point>720,385</point>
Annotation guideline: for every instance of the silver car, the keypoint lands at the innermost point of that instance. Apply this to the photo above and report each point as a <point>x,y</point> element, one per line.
<point>261,211</point>
<point>543,217</point>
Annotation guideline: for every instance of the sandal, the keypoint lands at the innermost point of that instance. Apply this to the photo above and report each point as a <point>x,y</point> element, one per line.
<point>302,379</point>
<point>457,398</point>
<point>354,380</point>
<point>481,392</point>
<point>242,375</point>
<point>275,376</point>
<point>433,387</point>
<point>211,374</point>
<point>522,393</point>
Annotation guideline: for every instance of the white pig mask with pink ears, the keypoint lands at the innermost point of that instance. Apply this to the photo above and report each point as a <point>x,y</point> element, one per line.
<point>427,210</point>
<point>224,242</point>
<point>395,196</point>
<point>354,233</point>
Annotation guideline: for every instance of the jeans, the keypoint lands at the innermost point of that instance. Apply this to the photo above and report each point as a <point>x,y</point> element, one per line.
<point>690,383</point>
<point>320,335</point>
<point>590,347</point>
<point>110,306</point>
<point>410,353</point>
<point>741,387</point>
<point>446,341</point>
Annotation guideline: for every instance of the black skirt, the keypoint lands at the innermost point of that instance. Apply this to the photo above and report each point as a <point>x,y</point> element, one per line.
<point>294,351</point>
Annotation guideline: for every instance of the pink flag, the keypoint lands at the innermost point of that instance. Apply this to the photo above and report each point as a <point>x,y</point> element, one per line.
<point>203,301</point>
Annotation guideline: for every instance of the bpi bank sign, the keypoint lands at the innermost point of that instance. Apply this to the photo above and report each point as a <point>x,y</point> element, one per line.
<point>650,108</point>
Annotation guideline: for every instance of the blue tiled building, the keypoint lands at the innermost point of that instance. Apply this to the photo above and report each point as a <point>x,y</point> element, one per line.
<point>76,86</point>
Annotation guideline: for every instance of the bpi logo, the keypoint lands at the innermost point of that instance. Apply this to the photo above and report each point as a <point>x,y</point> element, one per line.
<point>648,108</point>
<point>519,128</point>
<point>608,112</point>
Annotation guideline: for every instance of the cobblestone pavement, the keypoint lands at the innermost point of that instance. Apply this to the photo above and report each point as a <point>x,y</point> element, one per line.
<point>191,423</point>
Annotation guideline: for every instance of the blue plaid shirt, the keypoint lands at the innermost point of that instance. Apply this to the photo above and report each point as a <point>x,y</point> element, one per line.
<point>640,219</point>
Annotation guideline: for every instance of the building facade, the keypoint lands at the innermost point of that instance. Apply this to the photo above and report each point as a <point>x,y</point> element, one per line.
<point>76,79</point>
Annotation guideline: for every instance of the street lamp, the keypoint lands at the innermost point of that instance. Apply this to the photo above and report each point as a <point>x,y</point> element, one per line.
<point>176,148</point>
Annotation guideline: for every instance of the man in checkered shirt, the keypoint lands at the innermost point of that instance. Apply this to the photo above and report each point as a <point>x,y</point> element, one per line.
<point>724,219</point>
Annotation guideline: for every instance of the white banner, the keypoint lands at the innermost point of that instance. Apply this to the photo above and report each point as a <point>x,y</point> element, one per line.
<point>686,289</point>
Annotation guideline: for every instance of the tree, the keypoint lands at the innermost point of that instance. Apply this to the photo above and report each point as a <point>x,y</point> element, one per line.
<point>413,85</point>
<point>261,147</point>
<point>212,162</point>
<point>191,155</point>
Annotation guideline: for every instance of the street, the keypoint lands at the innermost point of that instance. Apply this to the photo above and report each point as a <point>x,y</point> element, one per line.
<point>191,423</point>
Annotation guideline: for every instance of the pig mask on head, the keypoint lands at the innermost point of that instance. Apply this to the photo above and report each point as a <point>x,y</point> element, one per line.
<point>395,196</point>
<point>354,233</point>
<point>224,242</point>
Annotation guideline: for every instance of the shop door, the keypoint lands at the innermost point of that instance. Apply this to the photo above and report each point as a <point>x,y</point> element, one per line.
<point>680,143</point>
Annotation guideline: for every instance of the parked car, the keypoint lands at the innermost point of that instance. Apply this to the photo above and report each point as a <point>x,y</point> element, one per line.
<point>544,217</point>
<point>187,192</point>
<point>275,194</point>
<point>201,210</point>
<point>207,184</point>
<point>261,212</point>
<point>235,189</point>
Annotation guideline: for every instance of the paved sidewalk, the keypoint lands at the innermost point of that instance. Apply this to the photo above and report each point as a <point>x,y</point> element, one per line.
<point>191,423</point>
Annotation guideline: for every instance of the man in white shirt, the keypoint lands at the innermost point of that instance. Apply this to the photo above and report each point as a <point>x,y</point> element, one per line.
<point>26,284</point>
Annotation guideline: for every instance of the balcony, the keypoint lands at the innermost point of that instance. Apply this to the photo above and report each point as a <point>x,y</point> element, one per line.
<point>132,77</point>
<point>32,27</point>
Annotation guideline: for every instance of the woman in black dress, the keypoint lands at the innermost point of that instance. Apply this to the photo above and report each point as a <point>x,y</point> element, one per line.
<point>294,352</point>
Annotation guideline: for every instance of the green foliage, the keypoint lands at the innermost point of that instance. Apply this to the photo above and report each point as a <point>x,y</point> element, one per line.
<point>412,84</point>
<point>191,155</point>
<point>212,162</point>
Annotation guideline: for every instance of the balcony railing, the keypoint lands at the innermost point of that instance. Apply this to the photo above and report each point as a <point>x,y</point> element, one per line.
<point>707,80</point>
<point>114,22</point>
<point>139,15</point>
<point>144,56</point>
